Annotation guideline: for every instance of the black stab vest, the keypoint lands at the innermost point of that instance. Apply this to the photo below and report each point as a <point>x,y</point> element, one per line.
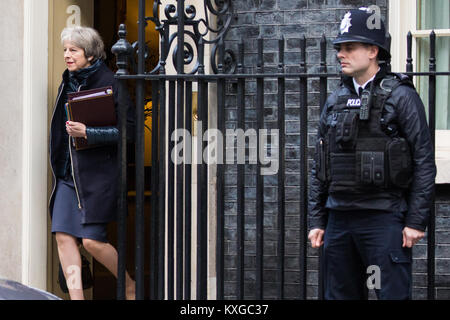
<point>362,156</point>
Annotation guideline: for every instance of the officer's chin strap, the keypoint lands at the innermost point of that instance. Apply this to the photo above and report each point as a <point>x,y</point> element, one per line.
<point>366,102</point>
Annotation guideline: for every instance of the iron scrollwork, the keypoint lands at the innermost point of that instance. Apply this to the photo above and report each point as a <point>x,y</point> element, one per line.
<point>197,28</point>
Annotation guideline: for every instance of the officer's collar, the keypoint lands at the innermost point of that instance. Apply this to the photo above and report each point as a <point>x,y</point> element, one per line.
<point>347,81</point>
<point>356,85</point>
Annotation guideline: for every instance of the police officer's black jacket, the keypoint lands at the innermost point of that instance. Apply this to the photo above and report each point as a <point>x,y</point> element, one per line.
<point>404,115</point>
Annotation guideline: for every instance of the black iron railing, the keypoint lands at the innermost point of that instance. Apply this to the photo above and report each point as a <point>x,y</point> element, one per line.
<point>171,207</point>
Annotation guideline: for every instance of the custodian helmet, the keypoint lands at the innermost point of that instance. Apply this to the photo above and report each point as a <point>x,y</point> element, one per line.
<point>363,25</point>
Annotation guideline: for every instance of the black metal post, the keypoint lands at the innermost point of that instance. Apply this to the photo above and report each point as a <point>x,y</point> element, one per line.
<point>281,170</point>
<point>122,49</point>
<point>409,60</point>
<point>171,196</point>
<point>240,177</point>
<point>303,170</point>
<point>431,243</point>
<point>202,191</point>
<point>162,178</point>
<point>140,157</point>
<point>259,292</point>
<point>179,166</point>
<point>323,70</point>
<point>188,196</point>
<point>220,180</point>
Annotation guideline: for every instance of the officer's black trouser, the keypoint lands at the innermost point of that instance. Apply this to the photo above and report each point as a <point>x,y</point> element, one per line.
<point>361,248</point>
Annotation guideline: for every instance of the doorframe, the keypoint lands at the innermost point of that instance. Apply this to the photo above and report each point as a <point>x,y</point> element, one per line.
<point>34,158</point>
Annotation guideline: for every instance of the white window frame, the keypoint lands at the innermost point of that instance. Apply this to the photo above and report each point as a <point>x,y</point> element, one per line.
<point>403,18</point>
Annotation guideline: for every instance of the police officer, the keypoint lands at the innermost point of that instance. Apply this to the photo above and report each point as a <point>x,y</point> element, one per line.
<point>373,178</point>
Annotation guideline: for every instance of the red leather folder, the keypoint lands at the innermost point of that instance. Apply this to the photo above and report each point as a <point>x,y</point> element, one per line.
<point>93,108</point>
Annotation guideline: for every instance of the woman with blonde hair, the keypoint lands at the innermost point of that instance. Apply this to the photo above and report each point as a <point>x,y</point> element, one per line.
<point>84,196</point>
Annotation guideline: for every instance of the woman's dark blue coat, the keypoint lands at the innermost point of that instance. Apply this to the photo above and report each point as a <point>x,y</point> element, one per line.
<point>95,170</point>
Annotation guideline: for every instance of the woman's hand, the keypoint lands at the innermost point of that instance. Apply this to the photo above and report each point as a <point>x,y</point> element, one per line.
<point>76,129</point>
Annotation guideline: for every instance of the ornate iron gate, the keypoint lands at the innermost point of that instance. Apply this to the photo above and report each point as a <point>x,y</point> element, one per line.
<point>171,228</point>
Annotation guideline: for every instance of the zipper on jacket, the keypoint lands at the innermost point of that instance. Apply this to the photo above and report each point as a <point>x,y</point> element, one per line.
<point>73,175</point>
<point>73,171</point>
<point>322,174</point>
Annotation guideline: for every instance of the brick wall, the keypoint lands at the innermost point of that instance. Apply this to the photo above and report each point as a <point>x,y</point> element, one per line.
<point>442,251</point>
<point>272,19</point>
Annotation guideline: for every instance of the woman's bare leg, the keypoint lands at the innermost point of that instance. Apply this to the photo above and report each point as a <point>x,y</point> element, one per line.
<point>107,255</point>
<point>70,258</point>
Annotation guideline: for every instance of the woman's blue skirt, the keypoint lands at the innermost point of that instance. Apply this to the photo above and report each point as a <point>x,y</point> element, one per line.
<point>67,217</point>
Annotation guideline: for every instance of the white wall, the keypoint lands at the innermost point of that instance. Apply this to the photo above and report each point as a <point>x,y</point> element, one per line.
<point>23,141</point>
<point>11,114</point>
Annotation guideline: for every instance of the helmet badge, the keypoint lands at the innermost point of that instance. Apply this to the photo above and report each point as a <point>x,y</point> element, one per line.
<point>346,22</point>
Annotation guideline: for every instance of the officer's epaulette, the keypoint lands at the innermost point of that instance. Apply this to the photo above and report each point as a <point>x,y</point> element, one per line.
<point>392,81</point>
<point>404,79</point>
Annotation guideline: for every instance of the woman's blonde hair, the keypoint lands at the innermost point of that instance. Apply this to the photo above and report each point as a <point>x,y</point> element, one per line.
<point>85,38</point>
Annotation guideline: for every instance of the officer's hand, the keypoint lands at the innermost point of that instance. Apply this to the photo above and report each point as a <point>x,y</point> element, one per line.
<point>411,237</point>
<point>316,236</point>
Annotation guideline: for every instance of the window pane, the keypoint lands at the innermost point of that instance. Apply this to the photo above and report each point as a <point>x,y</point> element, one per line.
<point>433,14</point>
<point>442,82</point>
